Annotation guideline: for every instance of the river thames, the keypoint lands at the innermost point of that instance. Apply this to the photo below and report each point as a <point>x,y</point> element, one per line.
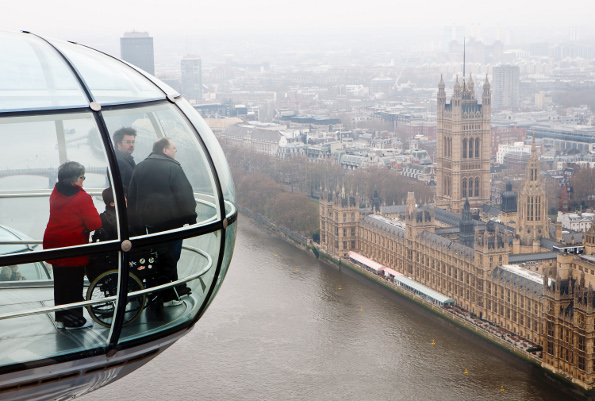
<point>286,326</point>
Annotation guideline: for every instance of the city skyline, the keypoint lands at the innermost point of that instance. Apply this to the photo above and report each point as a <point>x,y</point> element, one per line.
<point>74,22</point>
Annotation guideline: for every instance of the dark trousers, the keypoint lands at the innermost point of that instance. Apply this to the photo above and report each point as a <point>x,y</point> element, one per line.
<point>68,288</point>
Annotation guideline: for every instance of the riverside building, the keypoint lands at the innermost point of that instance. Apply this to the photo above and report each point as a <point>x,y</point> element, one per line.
<point>521,277</point>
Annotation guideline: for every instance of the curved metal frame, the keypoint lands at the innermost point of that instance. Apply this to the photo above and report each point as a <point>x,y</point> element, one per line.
<point>223,220</point>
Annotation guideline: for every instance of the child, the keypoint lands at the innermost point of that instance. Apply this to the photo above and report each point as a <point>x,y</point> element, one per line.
<point>100,263</point>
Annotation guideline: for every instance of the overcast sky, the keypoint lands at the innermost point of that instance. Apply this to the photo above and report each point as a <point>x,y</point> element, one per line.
<point>66,19</point>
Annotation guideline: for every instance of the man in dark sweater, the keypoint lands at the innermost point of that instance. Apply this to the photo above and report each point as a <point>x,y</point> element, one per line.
<point>124,140</point>
<point>161,198</point>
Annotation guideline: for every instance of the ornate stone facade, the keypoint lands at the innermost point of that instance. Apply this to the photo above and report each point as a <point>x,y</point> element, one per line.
<point>477,276</point>
<point>463,129</point>
<point>533,223</point>
<point>339,219</point>
<point>569,337</point>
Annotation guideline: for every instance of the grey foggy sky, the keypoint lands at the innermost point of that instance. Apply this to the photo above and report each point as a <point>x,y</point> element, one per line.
<point>72,20</point>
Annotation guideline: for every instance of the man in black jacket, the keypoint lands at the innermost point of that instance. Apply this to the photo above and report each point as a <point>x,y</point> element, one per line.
<point>161,198</point>
<point>124,141</point>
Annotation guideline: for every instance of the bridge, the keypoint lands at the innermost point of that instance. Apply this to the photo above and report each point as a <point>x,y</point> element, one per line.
<point>51,173</point>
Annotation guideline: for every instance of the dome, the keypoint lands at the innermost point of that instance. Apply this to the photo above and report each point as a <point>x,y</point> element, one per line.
<point>117,217</point>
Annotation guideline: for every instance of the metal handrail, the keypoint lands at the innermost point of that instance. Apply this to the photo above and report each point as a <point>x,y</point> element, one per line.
<point>40,311</point>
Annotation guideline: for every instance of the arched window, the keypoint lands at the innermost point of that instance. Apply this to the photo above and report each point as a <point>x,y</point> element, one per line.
<point>464,188</point>
<point>476,186</point>
<point>464,148</point>
<point>471,148</point>
<point>470,187</point>
<point>477,147</point>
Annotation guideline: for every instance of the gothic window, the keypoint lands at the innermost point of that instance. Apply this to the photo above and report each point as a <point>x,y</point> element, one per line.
<point>464,188</point>
<point>471,148</point>
<point>476,186</point>
<point>464,148</point>
<point>538,208</point>
<point>470,187</point>
<point>581,343</point>
<point>476,147</point>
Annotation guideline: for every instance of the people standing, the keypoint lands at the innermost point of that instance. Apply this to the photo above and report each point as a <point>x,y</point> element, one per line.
<point>124,141</point>
<point>161,198</point>
<point>72,217</point>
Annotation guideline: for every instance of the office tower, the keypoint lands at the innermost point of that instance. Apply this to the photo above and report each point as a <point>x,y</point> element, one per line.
<point>506,82</point>
<point>463,148</point>
<point>137,49</point>
<point>192,77</point>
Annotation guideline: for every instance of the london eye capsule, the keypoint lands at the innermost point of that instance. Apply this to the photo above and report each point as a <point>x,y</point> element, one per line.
<point>117,217</point>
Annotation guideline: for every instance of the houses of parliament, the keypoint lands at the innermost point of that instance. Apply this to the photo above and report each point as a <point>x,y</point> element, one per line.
<point>510,267</point>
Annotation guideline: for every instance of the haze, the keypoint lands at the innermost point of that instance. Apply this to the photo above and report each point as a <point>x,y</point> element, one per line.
<point>196,24</point>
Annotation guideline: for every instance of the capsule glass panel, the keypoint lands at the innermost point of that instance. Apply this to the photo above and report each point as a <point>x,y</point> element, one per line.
<point>174,291</point>
<point>216,153</point>
<point>33,76</point>
<point>33,209</point>
<point>109,80</point>
<point>166,191</point>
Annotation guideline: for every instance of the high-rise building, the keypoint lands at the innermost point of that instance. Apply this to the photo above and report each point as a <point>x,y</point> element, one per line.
<point>192,77</point>
<point>506,82</point>
<point>137,49</point>
<point>463,146</point>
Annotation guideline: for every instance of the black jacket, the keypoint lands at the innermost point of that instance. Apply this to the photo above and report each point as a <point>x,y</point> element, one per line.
<point>160,195</point>
<point>126,165</point>
<point>109,225</point>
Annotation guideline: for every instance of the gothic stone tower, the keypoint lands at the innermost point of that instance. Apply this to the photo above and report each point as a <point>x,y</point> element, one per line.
<point>339,219</point>
<point>533,223</point>
<point>463,161</point>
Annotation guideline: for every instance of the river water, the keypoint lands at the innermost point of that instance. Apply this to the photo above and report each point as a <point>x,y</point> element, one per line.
<point>285,326</point>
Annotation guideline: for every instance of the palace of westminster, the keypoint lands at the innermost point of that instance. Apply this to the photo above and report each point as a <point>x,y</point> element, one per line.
<point>514,271</point>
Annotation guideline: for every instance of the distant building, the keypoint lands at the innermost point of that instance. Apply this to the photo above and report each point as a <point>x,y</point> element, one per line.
<point>137,49</point>
<point>512,148</point>
<point>576,221</point>
<point>565,137</point>
<point>506,83</point>
<point>382,84</point>
<point>414,128</point>
<point>192,77</point>
<point>504,135</point>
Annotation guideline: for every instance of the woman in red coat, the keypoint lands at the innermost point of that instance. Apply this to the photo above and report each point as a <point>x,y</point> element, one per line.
<point>72,217</point>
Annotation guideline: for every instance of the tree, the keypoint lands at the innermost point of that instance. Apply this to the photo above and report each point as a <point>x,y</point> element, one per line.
<point>583,187</point>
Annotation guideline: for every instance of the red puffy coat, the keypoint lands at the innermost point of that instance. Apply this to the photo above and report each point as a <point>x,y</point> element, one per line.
<point>71,220</point>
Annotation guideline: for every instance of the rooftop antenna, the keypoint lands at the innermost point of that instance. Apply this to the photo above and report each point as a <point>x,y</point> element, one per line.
<point>464,57</point>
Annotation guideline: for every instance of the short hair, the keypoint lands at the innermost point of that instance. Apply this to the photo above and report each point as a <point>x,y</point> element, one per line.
<point>108,196</point>
<point>69,172</point>
<point>160,144</point>
<point>119,134</point>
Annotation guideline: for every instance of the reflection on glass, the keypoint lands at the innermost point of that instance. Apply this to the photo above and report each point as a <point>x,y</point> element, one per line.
<point>28,176</point>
